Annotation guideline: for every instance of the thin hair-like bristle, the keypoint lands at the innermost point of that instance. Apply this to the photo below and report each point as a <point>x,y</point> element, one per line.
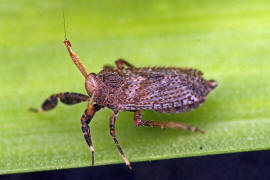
<point>64,25</point>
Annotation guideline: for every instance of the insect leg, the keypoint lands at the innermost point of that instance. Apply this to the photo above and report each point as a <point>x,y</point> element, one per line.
<point>85,120</point>
<point>121,62</point>
<point>108,68</point>
<point>66,98</point>
<point>112,132</point>
<point>75,58</point>
<point>139,122</point>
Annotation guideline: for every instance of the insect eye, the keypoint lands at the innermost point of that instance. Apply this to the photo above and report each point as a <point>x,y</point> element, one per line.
<point>90,83</point>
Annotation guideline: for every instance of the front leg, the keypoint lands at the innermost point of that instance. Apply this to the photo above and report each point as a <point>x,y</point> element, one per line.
<point>139,122</point>
<point>112,132</point>
<point>66,98</point>
<point>121,62</point>
<point>85,120</point>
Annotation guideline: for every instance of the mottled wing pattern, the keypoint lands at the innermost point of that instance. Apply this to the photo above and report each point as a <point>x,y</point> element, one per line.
<point>169,90</point>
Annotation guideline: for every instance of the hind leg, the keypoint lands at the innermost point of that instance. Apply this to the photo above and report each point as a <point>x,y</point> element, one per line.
<point>139,122</point>
<point>66,98</point>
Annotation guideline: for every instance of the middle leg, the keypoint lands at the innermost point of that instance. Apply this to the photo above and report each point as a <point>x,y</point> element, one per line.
<point>112,132</point>
<point>139,122</point>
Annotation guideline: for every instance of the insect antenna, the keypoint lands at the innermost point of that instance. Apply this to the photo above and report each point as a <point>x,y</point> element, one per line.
<point>64,25</point>
<point>75,58</point>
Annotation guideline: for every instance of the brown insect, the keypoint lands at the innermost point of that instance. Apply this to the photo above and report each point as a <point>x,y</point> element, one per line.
<point>128,88</point>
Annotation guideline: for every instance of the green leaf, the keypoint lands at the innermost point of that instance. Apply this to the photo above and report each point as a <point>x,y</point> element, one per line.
<point>227,40</point>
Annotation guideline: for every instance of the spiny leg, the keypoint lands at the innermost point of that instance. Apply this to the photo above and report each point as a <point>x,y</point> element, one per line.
<point>112,132</point>
<point>66,98</point>
<point>121,62</point>
<point>85,120</point>
<point>139,122</point>
<point>75,58</point>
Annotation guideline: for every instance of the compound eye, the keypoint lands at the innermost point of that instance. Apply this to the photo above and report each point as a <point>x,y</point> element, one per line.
<point>90,83</point>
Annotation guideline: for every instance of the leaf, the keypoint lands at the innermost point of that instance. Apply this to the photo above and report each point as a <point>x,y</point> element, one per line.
<point>228,41</point>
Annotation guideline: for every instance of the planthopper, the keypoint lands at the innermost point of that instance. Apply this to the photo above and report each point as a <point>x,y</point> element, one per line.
<point>129,88</point>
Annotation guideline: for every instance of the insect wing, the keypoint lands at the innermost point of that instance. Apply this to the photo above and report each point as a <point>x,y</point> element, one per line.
<point>161,89</point>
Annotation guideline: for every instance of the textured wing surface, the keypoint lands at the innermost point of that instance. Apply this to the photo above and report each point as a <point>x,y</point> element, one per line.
<point>168,90</point>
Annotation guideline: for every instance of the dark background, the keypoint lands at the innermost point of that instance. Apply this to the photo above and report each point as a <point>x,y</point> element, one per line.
<point>245,165</point>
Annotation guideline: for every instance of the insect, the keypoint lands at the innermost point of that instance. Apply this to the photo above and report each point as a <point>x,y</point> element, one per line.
<point>128,88</point>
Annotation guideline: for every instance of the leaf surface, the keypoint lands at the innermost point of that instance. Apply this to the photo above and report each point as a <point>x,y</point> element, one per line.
<point>228,41</point>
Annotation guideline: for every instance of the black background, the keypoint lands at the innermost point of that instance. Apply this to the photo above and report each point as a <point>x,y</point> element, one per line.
<point>245,165</point>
